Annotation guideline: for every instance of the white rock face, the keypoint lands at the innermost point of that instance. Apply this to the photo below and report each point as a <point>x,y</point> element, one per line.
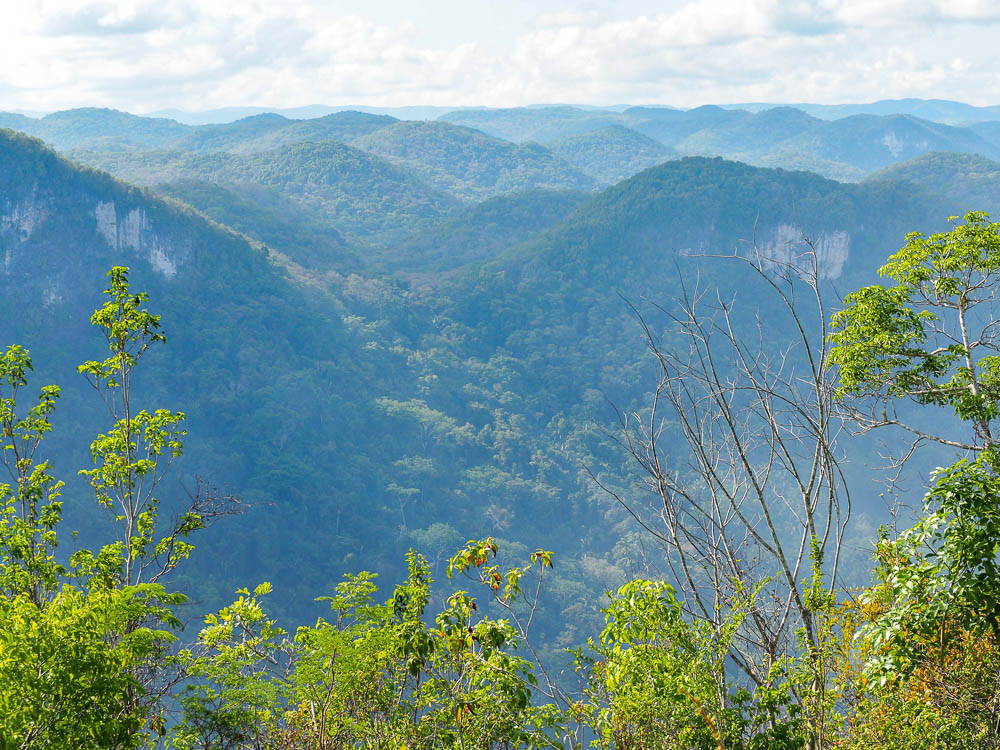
<point>18,221</point>
<point>892,142</point>
<point>52,295</point>
<point>23,218</point>
<point>107,222</point>
<point>788,246</point>
<point>135,232</point>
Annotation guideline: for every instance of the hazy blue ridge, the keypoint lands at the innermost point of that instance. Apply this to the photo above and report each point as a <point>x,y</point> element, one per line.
<point>612,153</point>
<point>968,180</point>
<point>470,164</point>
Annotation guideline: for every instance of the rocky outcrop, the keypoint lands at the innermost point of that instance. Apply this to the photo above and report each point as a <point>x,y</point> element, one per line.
<point>789,246</point>
<point>134,231</point>
<point>22,218</point>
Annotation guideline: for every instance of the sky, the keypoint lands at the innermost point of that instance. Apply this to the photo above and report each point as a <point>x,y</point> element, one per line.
<point>146,55</point>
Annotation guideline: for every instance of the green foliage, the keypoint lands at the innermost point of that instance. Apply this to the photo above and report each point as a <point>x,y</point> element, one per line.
<point>373,676</point>
<point>942,578</point>
<point>29,506</point>
<point>240,685</point>
<point>133,456</point>
<point>659,680</point>
<point>949,701</point>
<point>67,667</point>
<point>928,646</point>
<point>83,647</point>
<point>923,338</point>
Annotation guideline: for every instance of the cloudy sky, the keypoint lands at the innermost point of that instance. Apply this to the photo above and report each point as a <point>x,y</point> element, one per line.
<point>145,55</point>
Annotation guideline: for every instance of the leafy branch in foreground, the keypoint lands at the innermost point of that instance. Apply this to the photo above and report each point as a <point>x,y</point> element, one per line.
<point>932,337</point>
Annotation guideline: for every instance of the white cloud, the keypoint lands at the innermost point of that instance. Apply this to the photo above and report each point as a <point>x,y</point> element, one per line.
<point>144,55</point>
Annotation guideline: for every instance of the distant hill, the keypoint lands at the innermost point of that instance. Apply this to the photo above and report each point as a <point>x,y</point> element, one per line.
<point>970,181</point>
<point>854,146</point>
<point>231,114</point>
<point>470,164</point>
<point>935,110</point>
<point>111,130</point>
<point>671,126</point>
<point>545,124</point>
<point>266,215</point>
<point>357,193</point>
<point>14,121</point>
<point>344,127</point>
<point>228,137</point>
<point>988,131</point>
<point>749,136</point>
<point>699,205</point>
<point>97,128</point>
<point>612,153</point>
<point>520,124</point>
<point>475,154</point>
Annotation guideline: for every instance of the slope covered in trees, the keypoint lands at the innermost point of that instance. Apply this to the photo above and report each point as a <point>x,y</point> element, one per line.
<point>611,154</point>
<point>470,164</point>
<point>967,179</point>
<point>360,195</point>
<point>878,666</point>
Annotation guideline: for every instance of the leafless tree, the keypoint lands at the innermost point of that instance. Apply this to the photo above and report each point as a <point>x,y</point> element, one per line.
<point>757,486</point>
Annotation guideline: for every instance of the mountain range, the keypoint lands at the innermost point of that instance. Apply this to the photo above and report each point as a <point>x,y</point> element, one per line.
<point>393,333</point>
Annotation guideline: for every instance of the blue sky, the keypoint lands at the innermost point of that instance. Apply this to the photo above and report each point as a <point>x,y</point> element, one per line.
<point>145,55</point>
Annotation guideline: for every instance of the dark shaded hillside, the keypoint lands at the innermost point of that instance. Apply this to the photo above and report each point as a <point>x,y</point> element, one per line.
<point>270,376</point>
<point>612,153</point>
<point>469,164</point>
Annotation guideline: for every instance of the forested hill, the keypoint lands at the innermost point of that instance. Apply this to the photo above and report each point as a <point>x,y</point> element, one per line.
<point>361,194</point>
<point>280,393</point>
<point>362,414</point>
<point>969,180</point>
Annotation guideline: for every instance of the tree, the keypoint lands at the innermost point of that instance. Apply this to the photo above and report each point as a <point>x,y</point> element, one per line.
<point>376,674</point>
<point>83,641</point>
<point>72,641</point>
<point>761,493</point>
<point>932,337</point>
